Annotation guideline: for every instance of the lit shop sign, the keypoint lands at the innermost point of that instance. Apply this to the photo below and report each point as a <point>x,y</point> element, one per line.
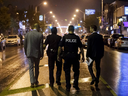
<point>41,17</point>
<point>125,24</point>
<point>126,10</point>
<point>89,11</point>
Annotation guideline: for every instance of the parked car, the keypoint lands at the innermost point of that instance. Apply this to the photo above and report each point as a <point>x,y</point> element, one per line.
<point>113,38</point>
<point>2,42</point>
<point>85,39</point>
<point>121,43</point>
<point>105,38</point>
<point>13,40</point>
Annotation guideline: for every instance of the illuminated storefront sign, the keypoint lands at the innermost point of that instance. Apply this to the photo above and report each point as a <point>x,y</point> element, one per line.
<point>126,10</point>
<point>41,17</point>
<point>89,11</point>
<point>125,24</point>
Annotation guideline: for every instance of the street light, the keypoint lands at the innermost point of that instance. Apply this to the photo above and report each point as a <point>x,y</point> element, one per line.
<point>102,12</point>
<point>45,3</point>
<point>50,12</point>
<point>53,16</point>
<point>77,10</point>
<point>74,15</point>
<point>47,13</point>
<point>81,21</point>
<point>72,18</point>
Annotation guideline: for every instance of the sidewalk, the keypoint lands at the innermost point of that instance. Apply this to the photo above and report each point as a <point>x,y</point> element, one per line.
<point>21,86</point>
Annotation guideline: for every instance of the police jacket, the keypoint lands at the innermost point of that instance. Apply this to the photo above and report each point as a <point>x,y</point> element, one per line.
<point>71,42</point>
<point>53,42</point>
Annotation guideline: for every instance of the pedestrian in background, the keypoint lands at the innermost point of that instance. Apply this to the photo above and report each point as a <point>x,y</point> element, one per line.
<point>95,50</point>
<point>71,43</point>
<point>33,46</point>
<point>53,42</point>
<point>21,37</point>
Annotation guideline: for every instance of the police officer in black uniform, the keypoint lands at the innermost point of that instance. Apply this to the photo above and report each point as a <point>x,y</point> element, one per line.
<point>71,42</point>
<point>53,42</point>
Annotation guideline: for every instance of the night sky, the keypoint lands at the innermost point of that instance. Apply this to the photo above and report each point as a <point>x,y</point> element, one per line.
<point>63,9</point>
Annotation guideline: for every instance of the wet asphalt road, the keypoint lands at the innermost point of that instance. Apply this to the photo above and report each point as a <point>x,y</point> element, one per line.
<point>114,67</point>
<point>12,64</point>
<point>115,70</point>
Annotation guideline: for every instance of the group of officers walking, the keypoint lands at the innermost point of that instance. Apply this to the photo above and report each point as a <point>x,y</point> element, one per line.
<point>69,48</point>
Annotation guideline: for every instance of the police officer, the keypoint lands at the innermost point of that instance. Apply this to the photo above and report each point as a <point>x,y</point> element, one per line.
<point>71,42</point>
<point>53,42</point>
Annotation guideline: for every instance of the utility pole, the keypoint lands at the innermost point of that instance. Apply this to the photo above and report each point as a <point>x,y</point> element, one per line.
<point>102,13</point>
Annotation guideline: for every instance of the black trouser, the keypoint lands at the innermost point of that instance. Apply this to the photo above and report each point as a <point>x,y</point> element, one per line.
<point>67,68</point>
<point>97,62</point>
<point>52,58</point>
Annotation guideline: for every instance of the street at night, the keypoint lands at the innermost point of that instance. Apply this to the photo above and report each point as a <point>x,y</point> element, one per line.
<point>14,76</point>
<point>63,47</point>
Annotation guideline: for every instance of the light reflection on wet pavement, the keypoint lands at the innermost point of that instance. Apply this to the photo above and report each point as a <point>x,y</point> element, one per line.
<point>115,70</point>
<point>12,64</point>
<point>114,67</point>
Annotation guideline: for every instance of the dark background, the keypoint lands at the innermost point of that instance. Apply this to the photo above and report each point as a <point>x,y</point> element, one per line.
<point>63,9</point>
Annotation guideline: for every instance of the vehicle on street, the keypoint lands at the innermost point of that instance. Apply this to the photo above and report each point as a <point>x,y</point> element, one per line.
<point>121,43</point>
<point>2,42</point>
<point>113,38</point>
<point>105,38</point>
<point>13,40</point>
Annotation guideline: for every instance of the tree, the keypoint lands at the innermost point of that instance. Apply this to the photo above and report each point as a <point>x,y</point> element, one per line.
<point>14,25</point>
<point>91,20</point>
<point>4,18</point>
<point>42,26</point>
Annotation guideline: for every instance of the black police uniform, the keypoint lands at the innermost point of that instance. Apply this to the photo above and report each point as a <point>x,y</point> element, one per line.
<point>53,42</point>
<point>71,42</point>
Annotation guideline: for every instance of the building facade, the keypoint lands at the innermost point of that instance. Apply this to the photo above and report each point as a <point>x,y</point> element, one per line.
<point>116,17</point>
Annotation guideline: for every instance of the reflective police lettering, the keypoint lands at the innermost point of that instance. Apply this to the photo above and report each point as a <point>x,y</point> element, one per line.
<point>71,40</point>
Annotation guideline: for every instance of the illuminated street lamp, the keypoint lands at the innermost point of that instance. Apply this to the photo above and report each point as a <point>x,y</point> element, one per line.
<point>47,13</point>
<point>80,21</point>
<point>53,16</point>
<point>74,15</point>
<point>77,10</point>
<point>72,18</point>
<point>45,3</point>
<point>50,12</point>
